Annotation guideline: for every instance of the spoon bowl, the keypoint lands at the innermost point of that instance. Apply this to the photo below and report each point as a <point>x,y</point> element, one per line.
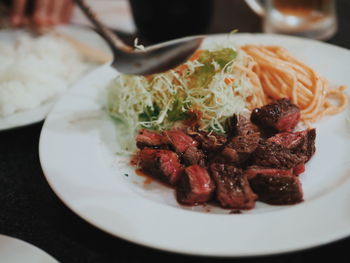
<point>157,58</point>
<point>151,60</point>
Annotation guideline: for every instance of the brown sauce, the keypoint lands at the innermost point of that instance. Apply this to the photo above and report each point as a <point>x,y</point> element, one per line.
<point>148,179</point>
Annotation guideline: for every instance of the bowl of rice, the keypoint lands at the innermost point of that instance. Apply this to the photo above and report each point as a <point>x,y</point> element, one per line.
<point>36,70</point>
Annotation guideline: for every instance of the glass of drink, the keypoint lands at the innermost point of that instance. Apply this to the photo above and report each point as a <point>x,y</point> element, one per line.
<point>161,20</point>
<point>308,18</point>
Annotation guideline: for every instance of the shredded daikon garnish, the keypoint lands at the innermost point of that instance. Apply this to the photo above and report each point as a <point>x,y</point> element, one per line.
<point>209,82</point>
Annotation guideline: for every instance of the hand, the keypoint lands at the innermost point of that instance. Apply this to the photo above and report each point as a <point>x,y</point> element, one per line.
<point>45,12</point>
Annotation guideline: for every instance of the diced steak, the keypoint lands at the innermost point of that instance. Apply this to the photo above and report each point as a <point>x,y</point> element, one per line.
<point>265,146</point>
<point>227,155</point>
<point>301,143</point>
<point>147,138</point>
<point>239,149</point>
<point>179,140</point>
<point>270,154</point>
<point>307,148</point>
<point>161,164</point>
<point>299,169</point>
<point>253,170</point>
<point>245,145</point>
<point>281,115</point>
<point>232,187</point>
<point>209,142</point>
<point>288,140</point>
<point>194,156</point>
<point>239,125</point>
<point>195,186</point>
<point>275,186</point>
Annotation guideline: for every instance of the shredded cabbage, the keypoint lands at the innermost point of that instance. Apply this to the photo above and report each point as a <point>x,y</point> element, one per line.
<point>208,83</point>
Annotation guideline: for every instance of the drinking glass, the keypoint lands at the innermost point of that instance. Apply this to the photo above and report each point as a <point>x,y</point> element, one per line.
<point>308,18</point>
<point>161,20</point>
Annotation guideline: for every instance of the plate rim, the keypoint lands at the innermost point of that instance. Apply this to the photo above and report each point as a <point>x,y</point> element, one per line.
<point>34,250</point>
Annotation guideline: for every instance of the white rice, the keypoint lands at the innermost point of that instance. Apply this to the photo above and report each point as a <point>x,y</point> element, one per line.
<point>35,70</point>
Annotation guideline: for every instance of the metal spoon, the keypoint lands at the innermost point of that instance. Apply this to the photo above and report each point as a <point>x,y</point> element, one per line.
<point>153,59</point>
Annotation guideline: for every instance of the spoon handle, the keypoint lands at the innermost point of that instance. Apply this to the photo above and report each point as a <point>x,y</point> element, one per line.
<point>112,39</point>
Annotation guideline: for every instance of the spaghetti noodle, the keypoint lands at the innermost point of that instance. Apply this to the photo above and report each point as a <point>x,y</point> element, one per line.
<point>283,76</point>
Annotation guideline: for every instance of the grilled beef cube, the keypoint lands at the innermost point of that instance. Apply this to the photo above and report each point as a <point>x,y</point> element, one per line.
<point>275,186</point>
<point>195,186</point>
<point>239,149</point>
<point>281,115</point>
<point>227,155</point>
<point>239,125</point>
<point>179,140</point>
<point>147,138</point>
<point>270,154</point>
<point>245,145</point>
<point>232,187</point>
<point>194,156</point>
<point>254,170</point>
<point>301,143</point>
<point>288,140</point>
<point>161,164</point>
<point>299,169</point>
<point>209,142</point>
<point>307,148</point>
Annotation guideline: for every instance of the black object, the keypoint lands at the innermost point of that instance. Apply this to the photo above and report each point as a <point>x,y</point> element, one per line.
<point>29,7</point>
<point>159,20</point>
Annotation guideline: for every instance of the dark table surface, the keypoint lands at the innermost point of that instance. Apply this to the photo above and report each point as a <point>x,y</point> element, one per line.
<point>31,211</point>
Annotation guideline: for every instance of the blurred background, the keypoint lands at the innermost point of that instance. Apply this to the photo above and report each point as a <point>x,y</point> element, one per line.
<point>154,21</point>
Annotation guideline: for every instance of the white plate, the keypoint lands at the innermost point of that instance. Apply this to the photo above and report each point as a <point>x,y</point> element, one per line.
<point>13,250</point>
<point>38,114</point>
<point>77,153</point>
